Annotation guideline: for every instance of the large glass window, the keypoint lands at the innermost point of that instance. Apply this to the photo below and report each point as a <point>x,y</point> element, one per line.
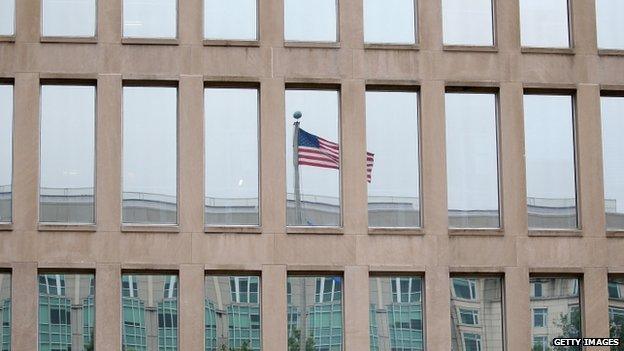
<point>616,307</point>
<point>550,161</point>
<point>67,180</point>
<point>472,160</point>
<point>390,21</point>
<point>468,22</point>
<point>232,320</point>
<point>544,23</point>
<point>7,17</point>
<point>231,132</point>
<point>315,313</point>
<point>393,160</point>
<point>6,152</point>
<point>556,313</point>
<point>5,311</point>
<point>230,19</point>
<point>396,313</point>
<point>150,155</point>
<point>313,178</point>
<point>150,312</point>
<point>150,19</point>
<point>311,20</point>
<point>612,109</point>
<point>610,24</point>
<point>477,313</point>
<point>69,18</point>
<point>66,312</point>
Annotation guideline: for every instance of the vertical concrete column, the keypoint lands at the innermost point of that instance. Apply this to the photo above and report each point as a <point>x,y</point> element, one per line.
<point>507,19</point>
<point>191,154</point>
<point>353,158</point>
<point>27,21</point>
<point>596,304</point>
<point>191,22</point>
<point>356,311</point>
<point>109,21</point>
<point>430,26</point>
<point>517,310</point>
<point>274,308</point>
<point>24,297</point>
<point>191,304</point>
<point>584,26</point>
<point>437,308</point>
<point>108,321</point>
<point>271,22</point>
<point>351,23</point>
<point>272,151</point>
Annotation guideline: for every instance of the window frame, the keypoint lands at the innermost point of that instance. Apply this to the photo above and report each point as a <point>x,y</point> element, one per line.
<point>473,313</point>
<point>390,45</point>
<point>543,313</point>
<point>611,232</point>
<point>549,49</point>
<point>8,225</point>
<point>313,43</point>
<point>472,47</point>
<point>151,40</point>
<point>477,339</point>
<point>69,38</point>
<point>231,42</point>
<point>11,37</point>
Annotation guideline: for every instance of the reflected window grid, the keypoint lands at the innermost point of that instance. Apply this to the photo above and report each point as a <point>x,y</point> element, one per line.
<point>7,18</point>
<point>538,18</point>
<point>610,24</point>
<point>462,22</point>
<point>391,22</point>
<point>5,311</point>
<point>616,307</point>
<point>62,18</point>
<point>150,19</point>
<point>302,17</point>
<point>6,153</point>
<point>231,20</point>
<point>612,111</point>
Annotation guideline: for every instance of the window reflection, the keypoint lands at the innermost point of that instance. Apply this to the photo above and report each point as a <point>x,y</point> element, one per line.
<point>315,313</point>
<point>232,315</point>
<point>555,311</point>
<point>5,311</point>
<point>310,20</point>
<point>150,18</point>
<point>390,21</point>
<point>468,22</point>
<point>7,17</point>
<point>550,165</point>
<point>396,313</point>
<point>544,23</point>
<point>610,24</point>
<point>150,312</point>
<point>612,109</point>
<point>6,152</point>
<point>66,312</point>
<point>472,160</point>
<point>230,19</point>
<point>69,18</point>
<point>67,157</point>
<point>476,314</point>
<point>150,155</point>
<point>616,307</point>
<point>394,187</point>
<point>317,202</point>
<point>231,132</point>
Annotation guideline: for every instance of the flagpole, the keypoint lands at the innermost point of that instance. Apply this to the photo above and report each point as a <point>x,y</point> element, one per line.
<point>297,115</point>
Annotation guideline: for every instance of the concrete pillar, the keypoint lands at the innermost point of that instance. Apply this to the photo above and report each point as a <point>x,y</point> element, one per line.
<point>108,317</point>
<point>274,308</point>
<point>25,297</point>
<point>191,310</point>
<point>356,308</point>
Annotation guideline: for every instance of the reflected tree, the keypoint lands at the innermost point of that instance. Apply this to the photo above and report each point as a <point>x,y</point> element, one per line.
<point>294,342</point>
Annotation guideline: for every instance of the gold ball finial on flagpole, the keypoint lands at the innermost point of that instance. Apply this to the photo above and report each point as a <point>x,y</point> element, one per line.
<point>297,115</point>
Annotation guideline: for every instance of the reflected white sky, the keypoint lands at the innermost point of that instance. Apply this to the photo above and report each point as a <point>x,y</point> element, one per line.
<point>320,110</point>
<point>549,146</point>
<point>310,20</point>
<point>69,18</point>
<point>150,18</point>
<point>67,136</point>
<point>544,23</point>
<point>610,23</point>
<point>6,134</point>
<point>467,22</point>
<point>149,140</point>
<point>230,19</point>
<point>471,151</point>
<point>389,21</point>
<point>231,132</point>
<point>612,110</point>
<point>7,17</point>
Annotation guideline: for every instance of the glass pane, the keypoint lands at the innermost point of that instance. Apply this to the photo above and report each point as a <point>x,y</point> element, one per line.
<point>231,156</point>
<point>389,21</point>
<point>149,18</point>
<point>317,202</point>
<point>231,321</point>
<point>67,156</point>
<point>549,155</point>
<point>485,310</point>
<point>66,312</point>
<point>472,161</point>
<point>310,20</point>
<point>69,18</point>
<point>467,22</point>
<point>315,323</point>
<point>150,313</point>
<point>612,109</point>
<point>616,307</point>
<point>6,152</point>
<point>5,311</point>
<point>544,23</point>
<point>7,17</point>
<point>396,320</point>
<point>394,187</point>
<point>230,19</point>
<point>559,307</point>
<point>610,24</point>
<point>150,155</point>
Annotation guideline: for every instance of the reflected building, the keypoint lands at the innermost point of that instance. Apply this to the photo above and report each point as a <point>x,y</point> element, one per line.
<point>616,308</point>
<point>5,312</point>
<point>5,203</point>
